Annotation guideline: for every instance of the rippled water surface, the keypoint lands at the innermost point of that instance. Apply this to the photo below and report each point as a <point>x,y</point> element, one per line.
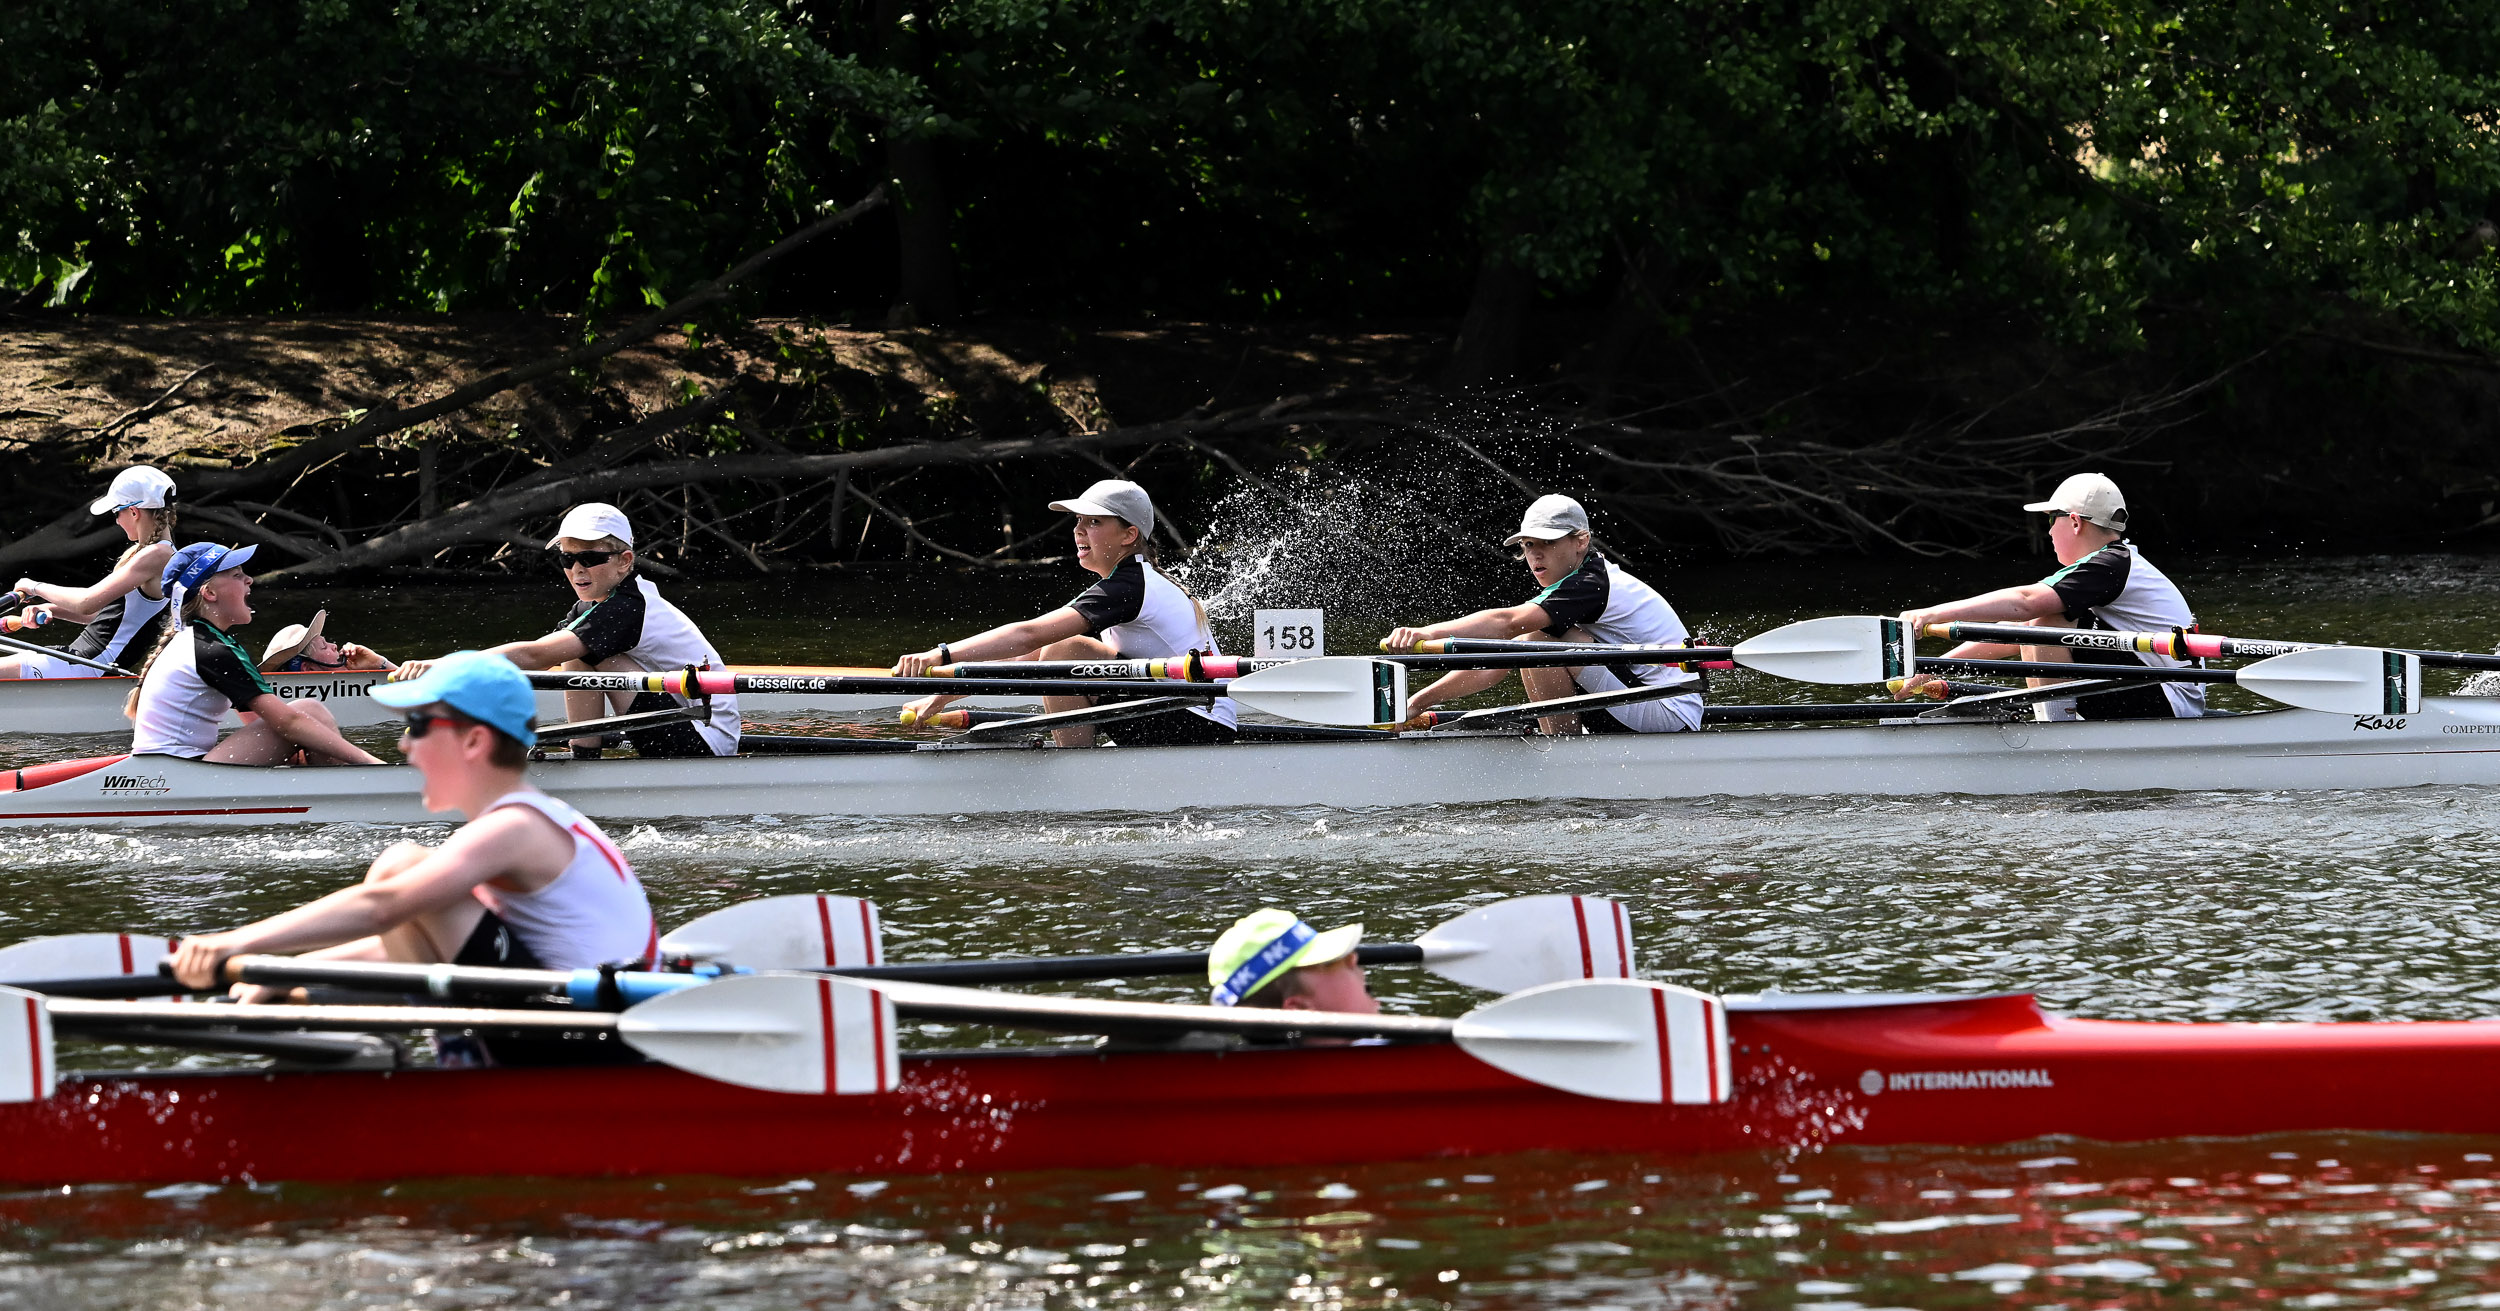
<point>2148,906</point>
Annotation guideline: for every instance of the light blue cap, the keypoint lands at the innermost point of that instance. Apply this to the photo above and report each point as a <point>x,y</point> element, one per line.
<point>485,687</point>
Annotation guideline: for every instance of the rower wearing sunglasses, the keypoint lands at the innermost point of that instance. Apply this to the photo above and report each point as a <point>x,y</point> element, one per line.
<point>620,624</point>
<point>526,883</point>
<point>2102,581</point>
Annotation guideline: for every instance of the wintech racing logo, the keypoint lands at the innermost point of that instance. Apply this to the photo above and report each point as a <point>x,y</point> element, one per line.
<point>136,785</point>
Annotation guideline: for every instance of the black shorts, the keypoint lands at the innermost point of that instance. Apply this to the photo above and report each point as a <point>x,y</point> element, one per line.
<point>493,943</point>
<point>1171,728</point>
<point>668,741</point>
<point>1602,720</point>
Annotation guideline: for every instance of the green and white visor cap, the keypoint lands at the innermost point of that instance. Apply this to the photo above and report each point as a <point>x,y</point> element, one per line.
<point>1264,944</point>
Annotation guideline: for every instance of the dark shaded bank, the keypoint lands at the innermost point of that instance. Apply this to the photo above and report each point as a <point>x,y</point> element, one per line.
<point>771,445</point>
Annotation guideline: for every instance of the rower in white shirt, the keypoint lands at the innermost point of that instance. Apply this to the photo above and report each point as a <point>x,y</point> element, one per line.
<point>526,883</point>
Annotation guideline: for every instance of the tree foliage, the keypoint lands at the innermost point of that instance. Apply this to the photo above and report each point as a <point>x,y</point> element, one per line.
<point>2074,161</point>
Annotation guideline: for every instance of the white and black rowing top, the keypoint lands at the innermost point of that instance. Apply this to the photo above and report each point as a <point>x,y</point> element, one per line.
<point>1615,607</point>
<point>1143,615</point>
<point>183,700</point>
<point>2116,588</point>
<point>636,622</point>
<point>129,622</point>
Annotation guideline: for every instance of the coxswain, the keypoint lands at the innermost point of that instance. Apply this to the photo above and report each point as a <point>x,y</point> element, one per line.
<point>124,613</point>
<point>1582,597</point>
<point>302,648</point>
<point>621,624</point>
<point>2103,582</point>
<point>198,671</point>
<point>526,883</point>
<point>1135,613</point>
<point>1270,958</point>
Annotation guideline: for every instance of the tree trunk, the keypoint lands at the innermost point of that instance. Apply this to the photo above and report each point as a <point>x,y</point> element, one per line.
<point>1487,349</point>
<point>925,275</point>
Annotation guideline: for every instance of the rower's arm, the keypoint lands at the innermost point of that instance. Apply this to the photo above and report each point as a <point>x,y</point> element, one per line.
<point>543,652</point>
<point>306,731</point>
<point>1016,641</point>
<point>517,846</point>
<point>80,604</point>
<point>2006,605</point>
<point>1503,622</point>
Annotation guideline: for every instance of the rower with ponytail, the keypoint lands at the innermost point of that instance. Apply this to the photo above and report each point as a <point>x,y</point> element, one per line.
<point>199,671</point>
<point>123,612</point>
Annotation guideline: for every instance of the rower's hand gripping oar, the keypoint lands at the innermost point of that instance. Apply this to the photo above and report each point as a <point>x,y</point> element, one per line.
<point>1520,943</point>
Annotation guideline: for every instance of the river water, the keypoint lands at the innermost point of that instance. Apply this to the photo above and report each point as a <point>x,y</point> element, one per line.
<point>2215,905</point>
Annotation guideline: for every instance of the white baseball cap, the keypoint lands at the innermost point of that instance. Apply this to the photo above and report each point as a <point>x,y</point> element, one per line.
<point>140,485</point>
<point>1550,519</point>
<point>1117,497</point>
<point>592,520</point>
<point>2091,495</point>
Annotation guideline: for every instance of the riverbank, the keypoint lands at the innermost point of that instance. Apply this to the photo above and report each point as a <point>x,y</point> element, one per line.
<point>1815,432</point>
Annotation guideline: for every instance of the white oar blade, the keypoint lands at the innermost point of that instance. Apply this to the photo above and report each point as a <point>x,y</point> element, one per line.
<point>2340,680</point>
<point>793,1033</point>
<point>807,931</point>
<point>1528,942</point>
<point>1839,649</point>
<point>1623,1040</point>
<point>1346,690</point>
<point>27,1072</point>
<point>81,956</point>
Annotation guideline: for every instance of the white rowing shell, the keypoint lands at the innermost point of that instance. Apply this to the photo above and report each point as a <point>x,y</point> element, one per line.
<point>2452,740</point>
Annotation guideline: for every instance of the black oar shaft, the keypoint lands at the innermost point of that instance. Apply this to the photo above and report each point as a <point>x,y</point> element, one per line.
<point>2074,669</point>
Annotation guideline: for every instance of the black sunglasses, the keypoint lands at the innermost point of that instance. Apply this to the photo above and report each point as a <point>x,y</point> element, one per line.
<point>417,726</point>
<point>586,559</point>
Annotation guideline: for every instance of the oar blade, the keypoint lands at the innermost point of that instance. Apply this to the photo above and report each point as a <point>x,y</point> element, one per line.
<point>1347,690</point>
<point>2340,680</point>
<point>793,1033</point>
<point>1623,1040</point>
<point>81,956</point>
<point>804,931</point>
<point>1837,649</point>
<point>27,1070</point>
<point>1528,942</point>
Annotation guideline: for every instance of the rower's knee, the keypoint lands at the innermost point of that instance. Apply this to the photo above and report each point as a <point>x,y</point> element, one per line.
<point>312,706</point>
<point>395,860</point>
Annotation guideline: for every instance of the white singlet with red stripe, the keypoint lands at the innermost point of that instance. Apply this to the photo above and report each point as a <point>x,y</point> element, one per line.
<point>595,912</point>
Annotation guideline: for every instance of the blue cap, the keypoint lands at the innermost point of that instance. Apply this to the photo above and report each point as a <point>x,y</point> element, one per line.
<point>200,559</point>
<point>483,686</point>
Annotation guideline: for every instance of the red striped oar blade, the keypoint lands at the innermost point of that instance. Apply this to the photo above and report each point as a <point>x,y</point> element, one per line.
<point>1527,942</point>
<point>806,931</point>
<point>794,1033</point>
<point>1624,1040</point>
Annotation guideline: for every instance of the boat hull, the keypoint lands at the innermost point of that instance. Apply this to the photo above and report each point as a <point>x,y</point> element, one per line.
<point>1953,1072</point>
<point>2451,741</point>
<point>94,705</point>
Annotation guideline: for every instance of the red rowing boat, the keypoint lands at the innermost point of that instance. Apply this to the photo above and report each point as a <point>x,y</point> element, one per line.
<point>1809,1072</point>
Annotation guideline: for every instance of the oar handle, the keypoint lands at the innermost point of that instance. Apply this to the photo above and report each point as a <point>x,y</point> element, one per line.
<point>20,623</point>
<point>1047,969</point>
